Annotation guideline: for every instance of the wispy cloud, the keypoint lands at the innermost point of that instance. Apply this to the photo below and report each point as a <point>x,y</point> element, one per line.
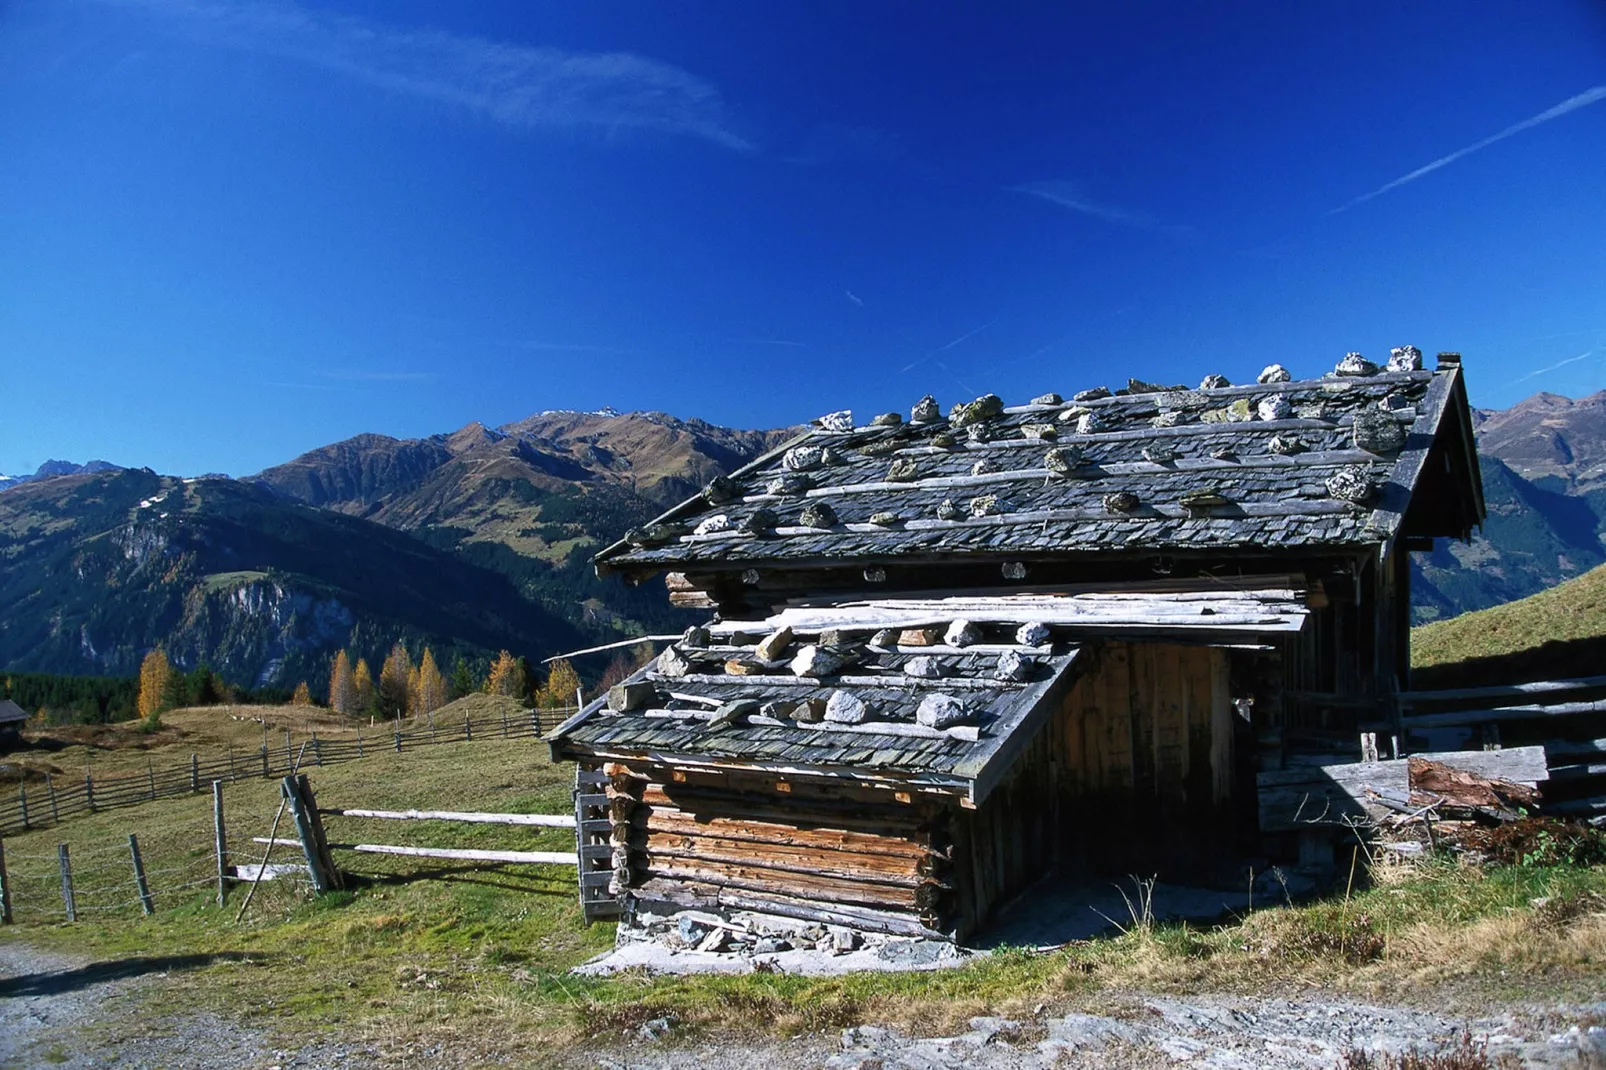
<point>516,85</point>
<point>380,377</point>
<point>855,298</point>
<point>1571,104</point>
<point>769,342</point>
<point>1072,196</point>
<point>576,347</point>
<point>1554,367</point>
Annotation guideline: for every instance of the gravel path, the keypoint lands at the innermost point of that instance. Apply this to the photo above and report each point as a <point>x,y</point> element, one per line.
<point>61,1011</point>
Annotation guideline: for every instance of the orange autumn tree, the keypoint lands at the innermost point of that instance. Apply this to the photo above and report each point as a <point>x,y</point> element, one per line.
<point>154,672</point>
<point>506,677</point>
<point>342,686</point>
<point>429,688</point>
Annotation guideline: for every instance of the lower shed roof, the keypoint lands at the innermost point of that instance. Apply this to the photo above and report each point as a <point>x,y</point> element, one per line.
<point>838,689</point>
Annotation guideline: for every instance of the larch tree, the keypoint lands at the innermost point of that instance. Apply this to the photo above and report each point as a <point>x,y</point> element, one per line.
<point>362,686</point>
<point>431,691</point>
<point>154,672</point>
<point>562,685</point>
<point>394,680</point>
<point>302,695</point>
<point>342,685</point>
<point>506,677</point>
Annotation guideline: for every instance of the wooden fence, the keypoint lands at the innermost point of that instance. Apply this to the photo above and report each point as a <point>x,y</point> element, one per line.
<point>42,804</point>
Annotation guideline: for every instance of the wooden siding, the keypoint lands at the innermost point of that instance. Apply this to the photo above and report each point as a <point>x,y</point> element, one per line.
<point>1144,745</point>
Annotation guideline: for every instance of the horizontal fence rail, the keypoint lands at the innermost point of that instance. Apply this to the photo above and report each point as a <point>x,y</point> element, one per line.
<point>34,804</point>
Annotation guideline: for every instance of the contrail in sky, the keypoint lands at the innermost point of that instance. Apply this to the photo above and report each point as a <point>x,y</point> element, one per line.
<point>1571,104</point>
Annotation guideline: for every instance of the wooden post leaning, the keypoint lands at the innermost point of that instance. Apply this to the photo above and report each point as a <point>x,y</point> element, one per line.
<point>146,903</point>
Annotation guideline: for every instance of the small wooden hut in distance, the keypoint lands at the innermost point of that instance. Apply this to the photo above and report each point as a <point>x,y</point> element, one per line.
<point>951,652</point>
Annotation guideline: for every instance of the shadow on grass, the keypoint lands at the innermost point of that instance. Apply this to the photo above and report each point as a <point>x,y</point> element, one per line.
<point>60,981</point>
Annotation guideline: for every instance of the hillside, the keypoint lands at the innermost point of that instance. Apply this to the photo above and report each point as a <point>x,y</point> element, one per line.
<point>532,500</point>
<point>1555,633</point>
<point>96,568</point>
<point>1544,476</point>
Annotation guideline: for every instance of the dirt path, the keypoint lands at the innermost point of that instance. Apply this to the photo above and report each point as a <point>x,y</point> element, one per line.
<point>57,1010</point>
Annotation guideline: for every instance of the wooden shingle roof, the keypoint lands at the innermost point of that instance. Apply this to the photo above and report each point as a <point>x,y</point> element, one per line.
<point>1277,464</point>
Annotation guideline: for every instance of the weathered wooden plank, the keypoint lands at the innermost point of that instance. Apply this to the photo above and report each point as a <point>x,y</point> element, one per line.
<point>1336,794</point>
<point>1504,713</point>
<point>558,858</point>
<point>544,820</point>
<point>741,829</point>
<point>755,879</point>
<point>876,869</point>
<point>1473,694</point>
<point>709,896</point>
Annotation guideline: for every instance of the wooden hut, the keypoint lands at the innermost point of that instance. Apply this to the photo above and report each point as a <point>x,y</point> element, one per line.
<point>950,653</point>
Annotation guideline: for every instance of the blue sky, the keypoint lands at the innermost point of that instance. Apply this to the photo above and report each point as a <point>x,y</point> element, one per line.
<point>233,231</point>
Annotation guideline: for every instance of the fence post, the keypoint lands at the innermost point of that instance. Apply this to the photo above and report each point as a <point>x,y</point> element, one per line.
<point>232,774</point>
<point>89,791</point>
<point>298,794</point>
<point>5,888</point>
<point>150,772</point>
<point>195,772</point>
<point>431,717</point>
<point>55,814</point>
<point>398,741</point>
<point>468,728</point>
<point>220,841</point>
<point>22,801</point>
<point>264,761</point>
<point>289,753</point>
<point>146,903</point>
<point>65,862</point>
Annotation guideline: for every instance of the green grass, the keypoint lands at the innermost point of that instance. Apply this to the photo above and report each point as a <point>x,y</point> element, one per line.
<point>1575,610</point>
<point>479,956</point>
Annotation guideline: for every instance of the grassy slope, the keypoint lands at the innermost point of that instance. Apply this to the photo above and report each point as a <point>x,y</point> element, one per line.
<point>474,958</point>
<point>1572,611</point>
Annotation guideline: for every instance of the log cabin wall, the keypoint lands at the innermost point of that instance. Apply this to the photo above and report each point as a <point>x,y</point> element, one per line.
<point>875,859</point>
<point>1145,755</point>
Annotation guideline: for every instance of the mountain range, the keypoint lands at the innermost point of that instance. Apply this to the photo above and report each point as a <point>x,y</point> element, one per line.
<point>481,539</point>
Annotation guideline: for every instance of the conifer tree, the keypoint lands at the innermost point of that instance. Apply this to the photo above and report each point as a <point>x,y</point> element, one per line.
<point>462,679</point>
<point>362,686</point>
<point>154,672</point>
<point>342,687</point>
<point>395,679</point>
<point>506,677</point>
<point>302,695</point>
<point>431,690</point>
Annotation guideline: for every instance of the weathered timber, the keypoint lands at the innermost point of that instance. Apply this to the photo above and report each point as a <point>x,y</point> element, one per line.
<point>559,858</point>
<point>743,829</point>
<point>801,908</point>
<point>1415,699</point>
<point>1337,795</point>
<point>545,820</point>
<point>824,886</point>
<point>1451,719</point>
<point>843,865</point>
